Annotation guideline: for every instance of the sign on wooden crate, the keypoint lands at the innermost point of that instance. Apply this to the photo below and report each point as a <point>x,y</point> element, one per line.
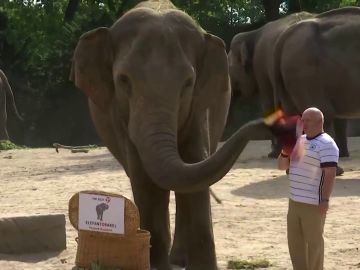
<point>101,213</point>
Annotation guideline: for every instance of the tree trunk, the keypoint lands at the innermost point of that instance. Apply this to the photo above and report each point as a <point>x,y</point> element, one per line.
<point>71,10</point>
<point>293,6</point>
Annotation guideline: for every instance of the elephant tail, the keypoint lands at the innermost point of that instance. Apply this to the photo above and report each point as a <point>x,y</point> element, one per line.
<point>9,92</point>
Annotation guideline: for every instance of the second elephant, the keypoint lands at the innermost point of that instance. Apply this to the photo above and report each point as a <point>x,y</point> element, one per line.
<point>251,60</point>
<point>312,63</point>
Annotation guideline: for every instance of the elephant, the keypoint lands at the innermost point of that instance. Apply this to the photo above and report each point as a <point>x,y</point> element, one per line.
<point>100,208</point>
<point>5,89</point>
<point>158,91</point>
<point>251,60</point>
<point>295,71</point>
<point>325,75</point>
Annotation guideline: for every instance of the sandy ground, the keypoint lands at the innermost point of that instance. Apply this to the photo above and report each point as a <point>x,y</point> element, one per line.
<point>250,223</point>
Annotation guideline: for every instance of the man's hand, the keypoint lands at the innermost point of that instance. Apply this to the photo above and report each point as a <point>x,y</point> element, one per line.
<point>323,207</point>
<point>286,128</point>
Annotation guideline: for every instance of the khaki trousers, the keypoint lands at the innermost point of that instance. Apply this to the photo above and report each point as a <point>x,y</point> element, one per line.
<point>305,227</point>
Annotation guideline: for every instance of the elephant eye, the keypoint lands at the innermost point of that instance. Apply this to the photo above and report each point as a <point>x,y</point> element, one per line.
<point>125,84</point>
<point>188,84</point>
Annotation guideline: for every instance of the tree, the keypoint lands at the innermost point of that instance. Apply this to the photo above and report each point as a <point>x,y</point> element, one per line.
<point>71,9</point>
<point>271,9</point>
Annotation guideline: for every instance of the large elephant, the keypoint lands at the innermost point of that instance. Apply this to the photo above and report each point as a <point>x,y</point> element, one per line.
<point>297,67</point>
<point>317,64</point>
<point>158,88</point>
<point>5,89</point>
<point>251,61</point>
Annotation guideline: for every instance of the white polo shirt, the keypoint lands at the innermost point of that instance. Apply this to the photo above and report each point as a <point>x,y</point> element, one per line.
<point>306,163</point>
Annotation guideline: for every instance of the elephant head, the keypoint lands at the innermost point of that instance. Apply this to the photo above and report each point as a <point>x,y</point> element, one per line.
<point>154,79</point>
<point>243,81</point>
<point>252,59</point>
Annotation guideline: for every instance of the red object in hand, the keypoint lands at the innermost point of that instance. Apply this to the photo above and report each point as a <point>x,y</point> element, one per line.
<point>285,130</point>
<point>288,145</point>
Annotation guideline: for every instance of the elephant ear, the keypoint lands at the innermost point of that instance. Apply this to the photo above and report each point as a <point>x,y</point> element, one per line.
<point>92,67</point>
<point>213,72</point>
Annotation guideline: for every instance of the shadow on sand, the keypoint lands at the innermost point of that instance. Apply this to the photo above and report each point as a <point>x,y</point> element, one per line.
<point>277,188</point>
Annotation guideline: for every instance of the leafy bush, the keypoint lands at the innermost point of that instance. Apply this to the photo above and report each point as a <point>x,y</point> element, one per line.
<point>244,264</point>
<point>8,145</point>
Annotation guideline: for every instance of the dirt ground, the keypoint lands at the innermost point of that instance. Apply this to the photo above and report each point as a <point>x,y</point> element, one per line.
<point>250,223</point>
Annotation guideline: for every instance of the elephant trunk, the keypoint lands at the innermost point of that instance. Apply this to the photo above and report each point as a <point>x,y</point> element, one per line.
<point>159,154</point>
<point>10,93</point>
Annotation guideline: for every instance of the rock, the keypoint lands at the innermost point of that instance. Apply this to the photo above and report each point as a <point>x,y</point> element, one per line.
<point>28,234</point>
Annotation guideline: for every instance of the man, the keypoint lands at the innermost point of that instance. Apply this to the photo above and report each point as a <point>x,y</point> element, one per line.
<point>312,170</point>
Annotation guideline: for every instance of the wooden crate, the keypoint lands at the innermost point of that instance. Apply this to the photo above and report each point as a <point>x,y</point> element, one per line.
<point>129,251</point>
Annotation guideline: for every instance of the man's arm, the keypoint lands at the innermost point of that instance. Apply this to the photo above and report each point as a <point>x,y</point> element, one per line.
<point>283,161</point>
<point>329,180</point>
<point>327,188</point>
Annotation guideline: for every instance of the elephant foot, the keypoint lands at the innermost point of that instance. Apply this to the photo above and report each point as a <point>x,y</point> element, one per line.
<point>201,267</point>
<point>164,266</point>
<point>339,171</point>
<point>173,267</point>
<point>177,260</point>
<point>274,154</point>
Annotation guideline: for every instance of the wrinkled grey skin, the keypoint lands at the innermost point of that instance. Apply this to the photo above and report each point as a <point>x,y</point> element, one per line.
<point>251,61</point>
<point>158,89</point>
<point>5,90</point>
<point>313,64</point>
<point>326,74</point>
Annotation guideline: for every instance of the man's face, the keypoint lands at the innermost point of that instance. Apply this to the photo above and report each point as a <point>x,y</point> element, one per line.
<point>312,123</point>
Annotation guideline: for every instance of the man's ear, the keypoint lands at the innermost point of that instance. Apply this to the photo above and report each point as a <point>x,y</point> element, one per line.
<point>92,66</point>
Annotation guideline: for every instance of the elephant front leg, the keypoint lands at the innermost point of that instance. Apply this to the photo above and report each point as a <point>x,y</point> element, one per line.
<point>193,244</point>
<point>178,249</point>
<point>340,130</point>
<point>275,148</point>
<point>153,203</point>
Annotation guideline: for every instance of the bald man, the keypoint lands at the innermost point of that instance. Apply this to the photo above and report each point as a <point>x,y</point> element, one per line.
<point>312,170</point>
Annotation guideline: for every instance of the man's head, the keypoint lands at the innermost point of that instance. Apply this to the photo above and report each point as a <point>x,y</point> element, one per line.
<point>313,120</point>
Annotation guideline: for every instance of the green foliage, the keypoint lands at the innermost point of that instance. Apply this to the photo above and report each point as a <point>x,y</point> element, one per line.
<point>8,145</point>
<point>252,264</point>
<point>224,18</point>
<point>344,3</point>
